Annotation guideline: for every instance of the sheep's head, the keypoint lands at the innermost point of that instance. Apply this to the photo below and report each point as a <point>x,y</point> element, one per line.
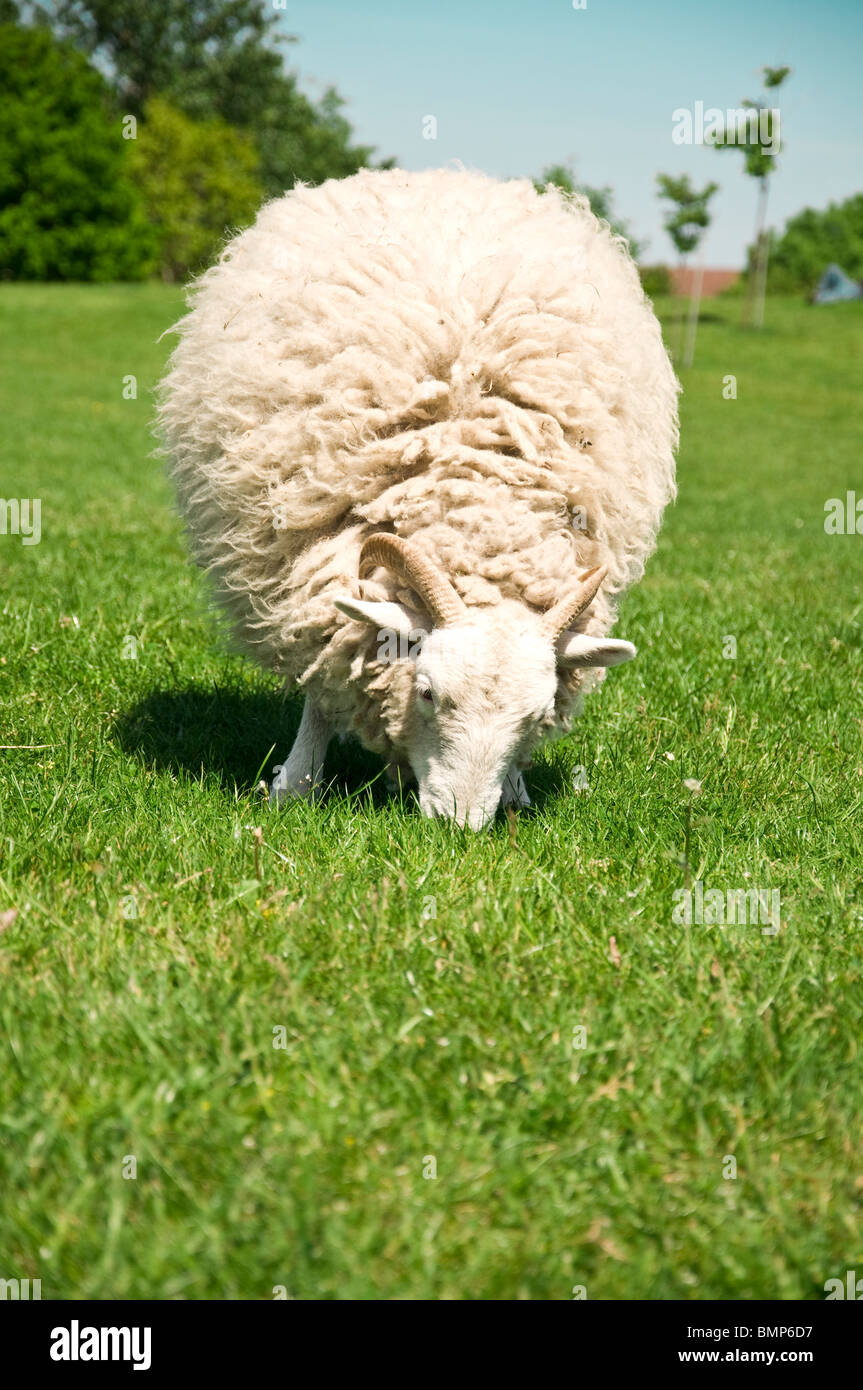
<point>485,680</point>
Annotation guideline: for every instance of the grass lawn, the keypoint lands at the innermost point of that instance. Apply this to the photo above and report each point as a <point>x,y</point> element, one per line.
<point>519,1014</point>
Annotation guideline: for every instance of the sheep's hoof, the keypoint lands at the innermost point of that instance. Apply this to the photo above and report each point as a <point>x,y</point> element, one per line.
<point>286,788</point>
<point>397,775</point>
<point>514,791</point>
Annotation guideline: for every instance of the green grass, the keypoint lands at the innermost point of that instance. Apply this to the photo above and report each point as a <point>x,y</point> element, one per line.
<point>410,1034</point>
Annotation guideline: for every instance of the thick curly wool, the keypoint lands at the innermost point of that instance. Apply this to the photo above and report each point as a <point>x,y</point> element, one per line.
<point>464,362</point>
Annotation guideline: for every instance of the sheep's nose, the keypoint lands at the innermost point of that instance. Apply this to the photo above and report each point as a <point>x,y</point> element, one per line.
<point>475,818</point>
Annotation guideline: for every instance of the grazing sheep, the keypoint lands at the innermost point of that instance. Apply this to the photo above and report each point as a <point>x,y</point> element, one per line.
<point>415,421</point>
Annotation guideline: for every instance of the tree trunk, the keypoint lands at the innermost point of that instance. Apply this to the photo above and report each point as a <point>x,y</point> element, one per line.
<point>754,275</point>
<point>694,306</point>
<point>681,308</point>
<point>763,253</point>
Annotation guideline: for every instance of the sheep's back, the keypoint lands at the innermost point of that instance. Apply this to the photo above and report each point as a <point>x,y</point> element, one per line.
<point>435,353</point>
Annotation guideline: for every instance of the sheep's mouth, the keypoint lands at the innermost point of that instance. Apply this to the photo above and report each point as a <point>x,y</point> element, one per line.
<point>476,815</point>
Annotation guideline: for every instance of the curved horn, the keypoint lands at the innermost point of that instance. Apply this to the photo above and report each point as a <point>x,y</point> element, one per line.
<point>557,618</point>
<point>408,563</point>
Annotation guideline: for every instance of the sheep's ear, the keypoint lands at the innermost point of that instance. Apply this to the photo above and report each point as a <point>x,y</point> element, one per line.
<point>575,649</point>
<point>391,617</point>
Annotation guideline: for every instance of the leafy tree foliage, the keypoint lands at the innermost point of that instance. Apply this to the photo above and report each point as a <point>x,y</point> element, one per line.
<point>655,280</point>
<point>68,210</point>
<point>812,240</point>
<point>218,58</point>
<point>302,141</point>
<point>207,55</point>
<point>198,181</point>
<point>687,219</point>
<point>600,199</point>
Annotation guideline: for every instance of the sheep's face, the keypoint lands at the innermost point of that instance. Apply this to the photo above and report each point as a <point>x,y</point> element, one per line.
<point>483,695</point>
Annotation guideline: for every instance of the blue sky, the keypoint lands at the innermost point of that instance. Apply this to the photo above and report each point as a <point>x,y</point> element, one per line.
<point>517,86</point>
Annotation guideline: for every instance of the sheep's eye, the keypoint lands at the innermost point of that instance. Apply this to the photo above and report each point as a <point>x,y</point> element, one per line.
<point>425,694</point>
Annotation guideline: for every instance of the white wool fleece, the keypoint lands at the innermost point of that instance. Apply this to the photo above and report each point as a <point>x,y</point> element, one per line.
<point>464,362</point>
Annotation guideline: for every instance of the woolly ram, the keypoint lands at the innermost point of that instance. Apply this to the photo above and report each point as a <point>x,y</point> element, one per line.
<point>422,427</point>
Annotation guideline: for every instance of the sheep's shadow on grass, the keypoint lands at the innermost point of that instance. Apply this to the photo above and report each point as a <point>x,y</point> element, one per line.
<point>228,733</point>
<point>547,782</point>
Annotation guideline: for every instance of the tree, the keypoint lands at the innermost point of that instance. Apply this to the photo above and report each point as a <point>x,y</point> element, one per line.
<point>686,222</point>
<point>760,142</point>
<point>812,239</point>
<point>600,199</point>
<point>302,141</point>
<point>217,58</point>
<point>206,55</point>
<point>198,180</point>
<point>68,210</point>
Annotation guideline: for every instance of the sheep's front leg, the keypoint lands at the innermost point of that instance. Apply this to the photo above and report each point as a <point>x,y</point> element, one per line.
<point>398,775</point>
<point>514,792</point>
<point>301,774</point>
